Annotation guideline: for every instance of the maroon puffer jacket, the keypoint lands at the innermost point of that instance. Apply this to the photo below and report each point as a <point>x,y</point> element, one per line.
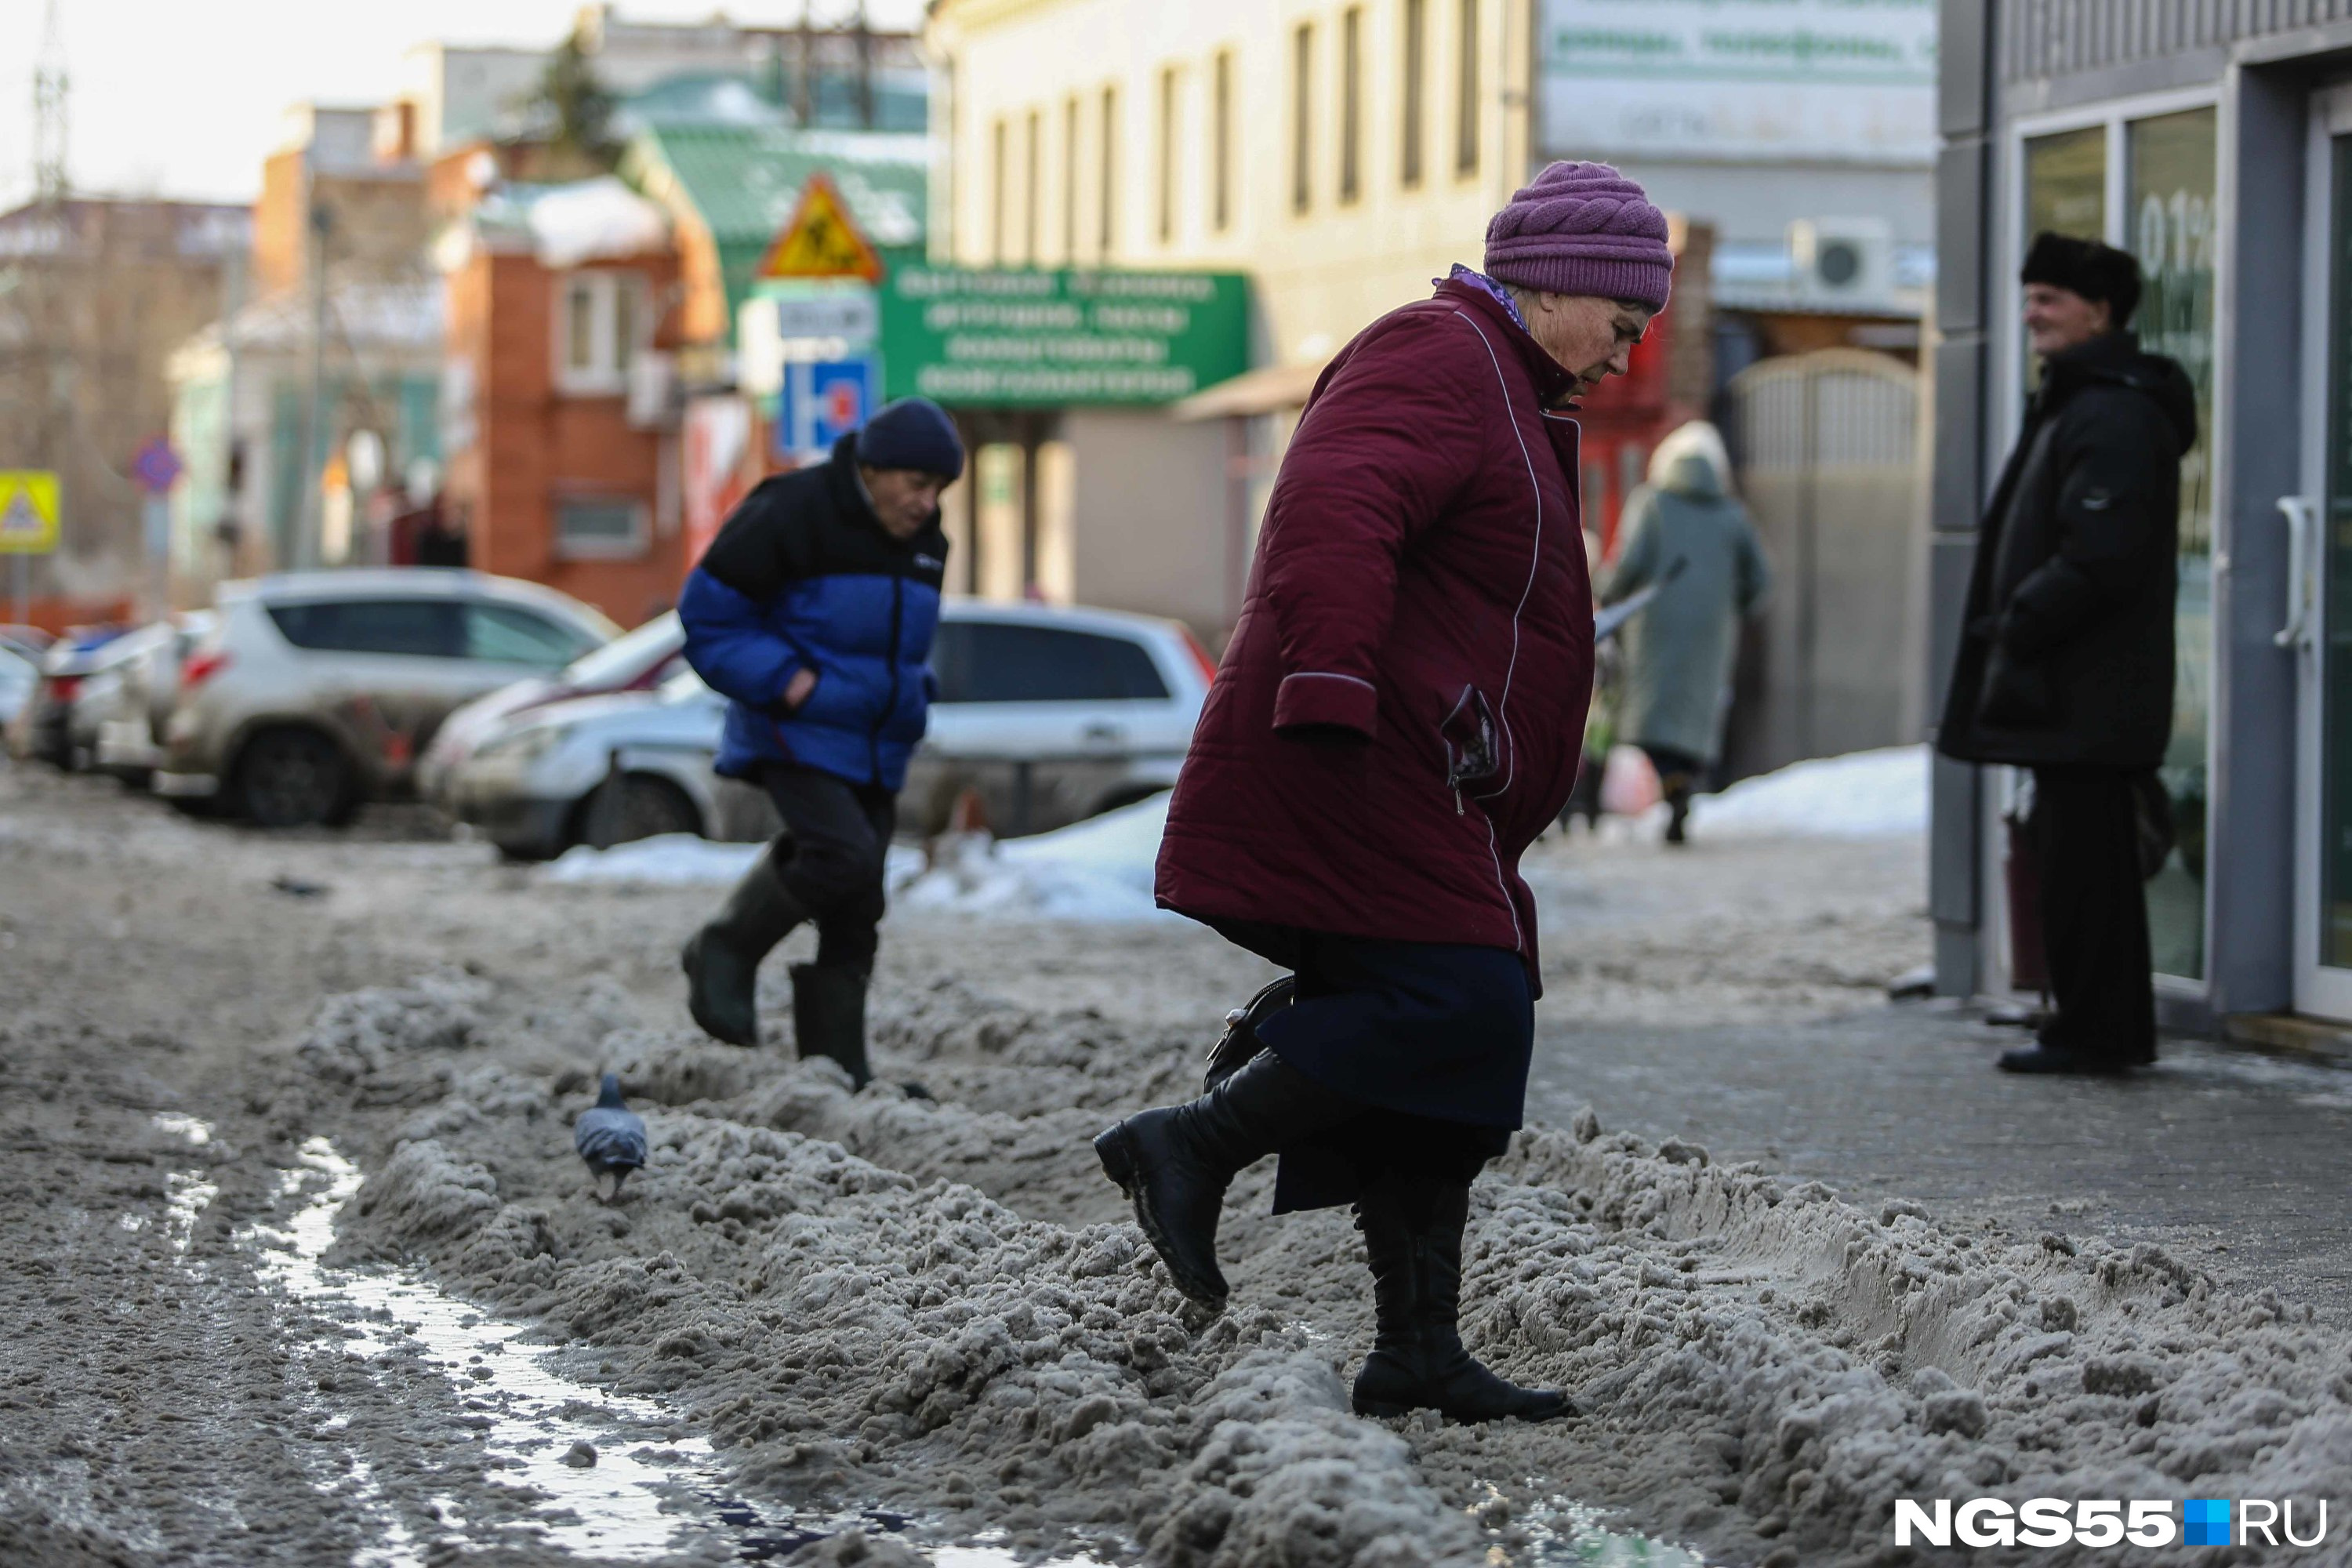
<point>1421,580</point>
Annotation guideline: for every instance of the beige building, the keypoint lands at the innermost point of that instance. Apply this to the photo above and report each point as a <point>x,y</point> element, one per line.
<point>1342,155</point>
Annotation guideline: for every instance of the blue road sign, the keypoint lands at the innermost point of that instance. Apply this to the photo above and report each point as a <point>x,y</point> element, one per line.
<point>157,466</point>
<point>822,402</point>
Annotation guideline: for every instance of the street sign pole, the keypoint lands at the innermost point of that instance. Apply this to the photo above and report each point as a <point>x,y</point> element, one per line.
<point>20,577</point>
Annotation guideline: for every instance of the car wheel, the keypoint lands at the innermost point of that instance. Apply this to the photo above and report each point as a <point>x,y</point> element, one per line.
<point>634,806</point>
<point>293,778</point>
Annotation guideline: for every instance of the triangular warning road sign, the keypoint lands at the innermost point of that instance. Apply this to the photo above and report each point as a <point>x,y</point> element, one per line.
<point>29,511</point>
<point>822,240</point>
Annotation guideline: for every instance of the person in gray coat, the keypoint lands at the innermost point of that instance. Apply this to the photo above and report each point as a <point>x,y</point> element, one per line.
<point>1685,532</point>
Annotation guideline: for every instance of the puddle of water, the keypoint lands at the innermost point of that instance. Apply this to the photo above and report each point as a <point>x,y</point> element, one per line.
<point>187,1193</point>
<point>1561,1532</point>
<point>650,1492</point>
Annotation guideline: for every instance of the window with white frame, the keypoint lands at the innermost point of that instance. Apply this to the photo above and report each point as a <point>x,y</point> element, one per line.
<point>601,325</point>
<point>599,527</point>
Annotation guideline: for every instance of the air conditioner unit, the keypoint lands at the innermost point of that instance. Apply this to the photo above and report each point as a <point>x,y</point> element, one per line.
<point>653,392</point>
<point>1846,262</point>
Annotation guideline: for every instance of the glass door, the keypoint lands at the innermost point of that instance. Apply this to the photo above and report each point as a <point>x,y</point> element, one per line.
<point>2317,626</point>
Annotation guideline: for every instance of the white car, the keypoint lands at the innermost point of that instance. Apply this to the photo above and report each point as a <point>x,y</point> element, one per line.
<point>638,660</point>
<point>1051,714</point>
<point>119,712</point>
<point>19,676</point>
<point>317,691</point>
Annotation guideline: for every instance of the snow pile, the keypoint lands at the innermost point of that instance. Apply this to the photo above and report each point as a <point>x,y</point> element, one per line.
<point>594,220</point>
<point>956,1319</point>
<point>1099,869</point>
<point>671,859</point>
<point>1867,794</point>
<point>686,860</point>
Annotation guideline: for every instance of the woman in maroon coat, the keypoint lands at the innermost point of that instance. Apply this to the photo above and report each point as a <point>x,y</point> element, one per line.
<point>1401,712</point>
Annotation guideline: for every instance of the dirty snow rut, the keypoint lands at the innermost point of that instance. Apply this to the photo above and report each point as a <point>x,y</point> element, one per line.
<point>873,1301</point>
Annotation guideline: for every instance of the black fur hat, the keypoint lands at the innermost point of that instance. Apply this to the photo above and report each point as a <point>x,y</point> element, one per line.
<point>2086,267</point>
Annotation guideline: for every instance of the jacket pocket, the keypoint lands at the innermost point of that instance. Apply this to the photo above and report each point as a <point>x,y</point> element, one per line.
<point>2016,693</point>
<point>1473,754</point>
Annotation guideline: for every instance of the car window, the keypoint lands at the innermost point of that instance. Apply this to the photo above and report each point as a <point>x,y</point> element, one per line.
<point>430,628</point>
<point>988,662</point>
<point>508,634</point>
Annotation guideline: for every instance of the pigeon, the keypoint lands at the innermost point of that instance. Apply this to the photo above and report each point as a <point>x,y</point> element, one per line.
<point>610,1138</point>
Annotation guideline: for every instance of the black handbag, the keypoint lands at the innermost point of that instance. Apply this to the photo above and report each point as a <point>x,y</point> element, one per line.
<point>1239,1043</point>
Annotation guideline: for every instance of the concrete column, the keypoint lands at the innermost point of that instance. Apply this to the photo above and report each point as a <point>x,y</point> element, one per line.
<point>1963,209</point>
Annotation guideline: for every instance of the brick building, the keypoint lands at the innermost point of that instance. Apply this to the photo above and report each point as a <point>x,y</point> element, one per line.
<point>557,412</point>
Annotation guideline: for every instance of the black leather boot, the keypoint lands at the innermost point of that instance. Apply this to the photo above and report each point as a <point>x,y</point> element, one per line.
<point>722,960</point>
<point>829,1017</point>
<point>1412,1238</point>
<point>1174,1163</point>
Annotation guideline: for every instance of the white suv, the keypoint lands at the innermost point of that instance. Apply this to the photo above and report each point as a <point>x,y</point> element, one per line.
<point>319,689</point>
<point>1052,714</point>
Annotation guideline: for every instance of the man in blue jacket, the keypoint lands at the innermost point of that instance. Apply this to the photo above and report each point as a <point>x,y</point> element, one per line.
<point>813,611</point>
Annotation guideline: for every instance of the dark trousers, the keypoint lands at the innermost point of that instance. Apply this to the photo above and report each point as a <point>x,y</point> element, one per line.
<point>1434,1038</point>
<point>829,856</point>
<point>2094,913</point>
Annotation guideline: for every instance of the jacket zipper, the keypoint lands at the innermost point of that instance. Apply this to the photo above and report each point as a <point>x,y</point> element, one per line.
<point>890,704</point>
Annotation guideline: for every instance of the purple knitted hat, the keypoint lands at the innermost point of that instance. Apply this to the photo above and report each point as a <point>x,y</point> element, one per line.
<point>1582,228</point>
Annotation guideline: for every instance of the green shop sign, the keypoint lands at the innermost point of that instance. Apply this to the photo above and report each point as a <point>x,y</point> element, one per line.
<point>1032,339</point>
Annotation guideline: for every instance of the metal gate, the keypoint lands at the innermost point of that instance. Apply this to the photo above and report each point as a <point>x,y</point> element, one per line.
<point>1827,448</point>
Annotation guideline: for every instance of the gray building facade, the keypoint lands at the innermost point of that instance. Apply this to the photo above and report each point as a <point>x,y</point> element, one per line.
<point>2213,139</point>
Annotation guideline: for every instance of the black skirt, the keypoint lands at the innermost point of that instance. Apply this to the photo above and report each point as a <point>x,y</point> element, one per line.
<point>1434,1038</point>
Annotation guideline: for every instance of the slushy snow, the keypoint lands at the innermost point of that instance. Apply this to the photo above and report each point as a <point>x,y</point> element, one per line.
<point>942,1309</point>
<point>1099,869</point>
<point>1865,795</point>
<point>1102,868</point>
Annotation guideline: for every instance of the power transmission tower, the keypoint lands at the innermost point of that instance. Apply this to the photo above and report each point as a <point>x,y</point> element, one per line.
<point>49,111</point>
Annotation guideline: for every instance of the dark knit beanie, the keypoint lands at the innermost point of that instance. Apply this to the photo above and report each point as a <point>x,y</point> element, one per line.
<point>2098,272</point>
<point>912,433</point>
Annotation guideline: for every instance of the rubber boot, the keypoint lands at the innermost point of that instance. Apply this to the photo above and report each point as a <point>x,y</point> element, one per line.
<point>829,1017</point>
<point>1175,1162</point>
<point>722,960</point>
<point>1413,1237</point>
<point>1677,790</point>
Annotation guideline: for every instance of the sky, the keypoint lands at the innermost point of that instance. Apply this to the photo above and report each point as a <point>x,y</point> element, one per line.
<point>184,97</point>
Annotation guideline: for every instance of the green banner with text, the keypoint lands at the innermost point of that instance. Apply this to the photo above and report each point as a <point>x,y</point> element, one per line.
<point>1028,339</point>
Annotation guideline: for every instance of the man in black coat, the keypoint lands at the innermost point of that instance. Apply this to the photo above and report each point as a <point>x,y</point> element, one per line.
<point>2065,663</point>
<point>2066,659</point>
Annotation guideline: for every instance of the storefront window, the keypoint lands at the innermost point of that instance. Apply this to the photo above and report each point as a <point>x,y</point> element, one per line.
<point>2169,225</point>
<point>2066,185</point>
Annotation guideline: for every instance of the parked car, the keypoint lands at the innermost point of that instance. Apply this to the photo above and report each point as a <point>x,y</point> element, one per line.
<point>28,642</point>
<point>42,730</point>
<point>604,770</point>
<point>110,693</point>
<point>1053,714</point>
<point>640,660</point>
<point>129,735</point>
<point>19,676</point>
<point>319,691</point>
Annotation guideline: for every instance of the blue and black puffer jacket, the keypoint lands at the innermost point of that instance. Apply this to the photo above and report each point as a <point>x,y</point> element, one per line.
<point>803,576</point>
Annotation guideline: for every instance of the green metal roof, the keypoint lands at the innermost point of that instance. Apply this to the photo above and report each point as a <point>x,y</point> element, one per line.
<point>742,183</point>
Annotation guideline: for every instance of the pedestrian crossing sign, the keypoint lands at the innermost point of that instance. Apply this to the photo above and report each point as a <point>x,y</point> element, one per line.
<point>29,511</point>
<point>823,240</point>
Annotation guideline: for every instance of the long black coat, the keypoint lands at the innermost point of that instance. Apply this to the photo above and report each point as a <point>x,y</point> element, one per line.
<point>2066,653</point>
